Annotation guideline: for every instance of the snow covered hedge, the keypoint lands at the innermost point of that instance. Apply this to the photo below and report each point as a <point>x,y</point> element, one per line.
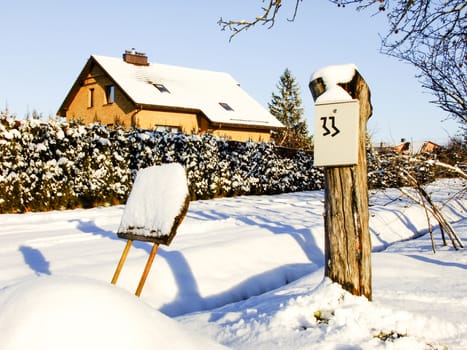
<point>52,165</point>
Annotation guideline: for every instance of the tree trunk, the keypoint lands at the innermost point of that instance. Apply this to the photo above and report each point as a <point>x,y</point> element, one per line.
<point>347,235</point>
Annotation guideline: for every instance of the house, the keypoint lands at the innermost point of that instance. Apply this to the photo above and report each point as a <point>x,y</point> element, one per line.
<point>136,93</point>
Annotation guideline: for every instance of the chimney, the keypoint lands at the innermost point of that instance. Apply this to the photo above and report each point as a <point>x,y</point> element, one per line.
<point>136,58</point>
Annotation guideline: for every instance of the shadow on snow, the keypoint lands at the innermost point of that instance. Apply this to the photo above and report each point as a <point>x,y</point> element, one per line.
<point>35,260</point>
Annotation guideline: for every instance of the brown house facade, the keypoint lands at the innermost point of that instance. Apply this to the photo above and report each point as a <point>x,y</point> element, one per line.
<point>135,93</point>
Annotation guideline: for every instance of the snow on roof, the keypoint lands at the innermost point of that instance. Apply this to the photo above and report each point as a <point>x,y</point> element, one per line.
<point>332,76</point>
<point>188,88</point>
<point>156,199</point>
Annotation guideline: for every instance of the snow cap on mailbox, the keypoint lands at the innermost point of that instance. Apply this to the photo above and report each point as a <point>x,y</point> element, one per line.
<point>327,89</point>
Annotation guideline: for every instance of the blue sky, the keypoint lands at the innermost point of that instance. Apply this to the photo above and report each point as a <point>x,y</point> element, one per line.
<point>45,44</point>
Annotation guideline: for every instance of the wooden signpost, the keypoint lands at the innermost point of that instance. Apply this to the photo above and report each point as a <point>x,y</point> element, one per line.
<point>340,146</point>
<point>157,204</point>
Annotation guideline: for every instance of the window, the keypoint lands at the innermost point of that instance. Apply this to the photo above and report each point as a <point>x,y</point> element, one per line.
<point>226,106</point>
<point>161,88</point>
<point>165,128</point>
<point>109,94</point>
<point>91,98</point>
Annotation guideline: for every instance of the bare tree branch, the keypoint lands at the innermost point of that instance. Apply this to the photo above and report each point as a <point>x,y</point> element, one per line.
<point>427,203</point>
<point>429,34</point>
<point>454,169</point>
<point>268,17</point>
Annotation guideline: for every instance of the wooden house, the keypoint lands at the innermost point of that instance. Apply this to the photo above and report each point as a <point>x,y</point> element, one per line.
<point>136,93</point>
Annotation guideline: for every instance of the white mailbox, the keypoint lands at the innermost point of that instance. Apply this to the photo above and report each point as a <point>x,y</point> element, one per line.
<point>336,133</point>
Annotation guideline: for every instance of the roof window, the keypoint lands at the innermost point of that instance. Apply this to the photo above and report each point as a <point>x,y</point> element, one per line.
<point>226,106</point>
<point>161,87</point>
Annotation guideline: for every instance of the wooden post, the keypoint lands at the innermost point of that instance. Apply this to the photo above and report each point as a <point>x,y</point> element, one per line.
<point>122,261</point>
<point>347,236</point>
<point>146,269</point>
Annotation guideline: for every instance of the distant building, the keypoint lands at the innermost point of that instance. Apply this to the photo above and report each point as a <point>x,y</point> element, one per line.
<point>405,146</point>
<point>429,146</point>
<point>136,93</point>
<point>402,147</point>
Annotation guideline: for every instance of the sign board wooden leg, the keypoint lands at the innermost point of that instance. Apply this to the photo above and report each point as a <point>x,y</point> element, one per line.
<point>122,261</point>
<point>146,269</point>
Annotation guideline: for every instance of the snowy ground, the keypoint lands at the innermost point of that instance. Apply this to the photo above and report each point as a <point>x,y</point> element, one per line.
<point>244,273</point>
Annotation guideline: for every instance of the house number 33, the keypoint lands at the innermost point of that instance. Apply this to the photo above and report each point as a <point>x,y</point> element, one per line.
<point>334,130</point>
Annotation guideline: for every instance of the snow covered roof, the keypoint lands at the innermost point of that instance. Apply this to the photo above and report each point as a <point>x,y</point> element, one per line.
<point>216,94</point>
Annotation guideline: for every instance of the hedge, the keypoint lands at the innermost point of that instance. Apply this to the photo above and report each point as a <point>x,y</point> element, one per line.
<point>54,165</point>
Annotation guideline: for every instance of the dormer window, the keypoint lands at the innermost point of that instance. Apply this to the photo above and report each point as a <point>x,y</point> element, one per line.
<point>161,88</point>
<point>226,106</point>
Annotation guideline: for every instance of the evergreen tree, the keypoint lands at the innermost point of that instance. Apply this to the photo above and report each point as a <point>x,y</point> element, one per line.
<point>286,106</point>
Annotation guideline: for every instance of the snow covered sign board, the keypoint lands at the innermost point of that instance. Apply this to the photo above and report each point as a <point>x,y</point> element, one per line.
<point>336,133</point>
<point>157,204</point>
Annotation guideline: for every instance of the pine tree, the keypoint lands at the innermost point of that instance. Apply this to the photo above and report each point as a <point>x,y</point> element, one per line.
<point>287,107</point>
